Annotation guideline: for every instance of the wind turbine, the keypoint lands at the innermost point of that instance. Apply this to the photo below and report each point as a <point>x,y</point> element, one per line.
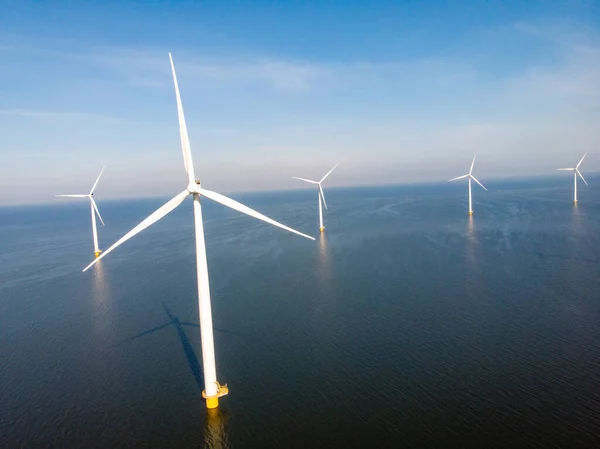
<point>320,194</point>
<point>212,389</point>
<point>94,209</point>
<point>575,173</point>
<point>470,176</point>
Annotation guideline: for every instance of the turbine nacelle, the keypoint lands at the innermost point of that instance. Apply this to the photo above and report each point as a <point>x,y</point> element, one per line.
<point>470,177</point>
<point>321,194</point>
<point>576,169</point>
<point>194,186</point>
<point>576,172</point>
<point>89,196</point>
<point>94,210</point>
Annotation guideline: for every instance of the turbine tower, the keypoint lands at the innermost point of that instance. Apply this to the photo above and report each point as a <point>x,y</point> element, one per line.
<point>94,209</point>
<point>212,389</point>
<point>575,173</point>
<point>321,195</point>
<point>470,176</point>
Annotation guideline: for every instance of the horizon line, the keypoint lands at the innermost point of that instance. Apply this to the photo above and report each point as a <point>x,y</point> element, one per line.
<point>51,200</point>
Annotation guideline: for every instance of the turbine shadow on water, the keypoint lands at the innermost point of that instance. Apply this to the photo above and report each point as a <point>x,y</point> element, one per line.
<point>185,342</point>
<point>187,347</point>
<point>215,436</point>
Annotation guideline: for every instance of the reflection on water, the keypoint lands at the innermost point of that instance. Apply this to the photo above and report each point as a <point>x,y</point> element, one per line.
<point>100,297</point>
<point>576,218</point>
<point>215,436</point>
<point>577,248</point>
<point>324,274</point>
<point>99,284</point>
<point>473,284</point>
<point>324,263</point>
<point>471,240</point>
<point>470,225</point>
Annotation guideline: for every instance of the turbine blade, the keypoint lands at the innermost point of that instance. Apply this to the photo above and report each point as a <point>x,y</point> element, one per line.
<point>305,180</point>
<point>472,164</point>
<point>71,196</point>
<point>151,219</point>
<point>183,134</point>
<point>458,177</point>
<point>475,179</point>
<point>322,195</point>
<point>581,160</point>
<point>568,169</point>
<point>583,179</point>
<point>245,210</point>
<point>96,209</point>
<point>328,173</point>
<point>96,183</point>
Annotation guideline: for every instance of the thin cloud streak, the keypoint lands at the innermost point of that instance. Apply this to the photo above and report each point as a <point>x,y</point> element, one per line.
<point>420,118</point>
<point>58,115</point>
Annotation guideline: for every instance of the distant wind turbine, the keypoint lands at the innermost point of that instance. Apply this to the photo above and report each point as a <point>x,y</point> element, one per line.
<point>575,173</point>
<point>470,176</point>
<point>94,209</point>
<point>320,194</point>
<point>212,389</point>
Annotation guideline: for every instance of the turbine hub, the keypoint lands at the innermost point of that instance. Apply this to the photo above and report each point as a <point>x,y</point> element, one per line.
<point>193,186</point>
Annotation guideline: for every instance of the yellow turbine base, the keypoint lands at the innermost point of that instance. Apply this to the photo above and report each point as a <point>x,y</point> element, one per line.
<point>470,212</point>
<point>97,253</point>
<point>575,201</point>
<point>322,229</point>
<point>213,401</point>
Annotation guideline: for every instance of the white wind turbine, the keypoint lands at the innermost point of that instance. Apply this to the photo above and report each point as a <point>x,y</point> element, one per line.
<point>320,194</point>
<point>575,173</point>
<point>470,176</point>
<point>94,209</point>
<point>213,390</point>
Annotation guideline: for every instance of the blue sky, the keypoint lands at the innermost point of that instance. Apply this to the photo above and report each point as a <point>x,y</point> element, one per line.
<point>397,92</point>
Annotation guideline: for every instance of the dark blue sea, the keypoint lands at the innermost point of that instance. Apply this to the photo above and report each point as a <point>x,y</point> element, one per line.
<point>407,324</point>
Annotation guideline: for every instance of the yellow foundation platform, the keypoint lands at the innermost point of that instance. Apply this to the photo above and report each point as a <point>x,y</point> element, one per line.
<point>322,229</point>
<point>470,212</point>
<point>97,253</point>
<point>213,401</point>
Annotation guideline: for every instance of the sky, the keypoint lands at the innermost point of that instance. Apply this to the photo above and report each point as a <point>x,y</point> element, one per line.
<point>395,91</point>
